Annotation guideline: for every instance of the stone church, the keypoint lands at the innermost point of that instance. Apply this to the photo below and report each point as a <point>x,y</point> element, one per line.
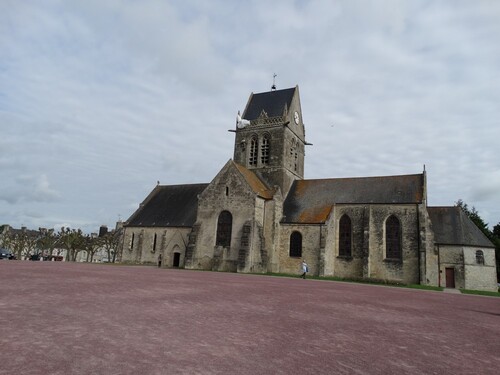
<point>260,215</point>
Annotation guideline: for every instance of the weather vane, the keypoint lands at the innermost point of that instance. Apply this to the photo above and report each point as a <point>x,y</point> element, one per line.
<point>273,87</point>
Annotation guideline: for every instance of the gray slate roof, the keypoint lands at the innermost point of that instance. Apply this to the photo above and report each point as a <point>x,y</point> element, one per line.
<point>310,201</point>
<point>168,206</point>
<point>272,102</point>
<point>452,226</point>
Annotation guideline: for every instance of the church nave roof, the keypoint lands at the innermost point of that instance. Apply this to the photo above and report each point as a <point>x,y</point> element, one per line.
<point>168,206</point>
<point>310,201</point>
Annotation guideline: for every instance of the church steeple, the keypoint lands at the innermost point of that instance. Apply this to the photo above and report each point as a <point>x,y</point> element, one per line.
<point>270,137</point>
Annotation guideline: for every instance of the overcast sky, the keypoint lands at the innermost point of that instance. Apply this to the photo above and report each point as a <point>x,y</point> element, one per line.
<point>101,99</point>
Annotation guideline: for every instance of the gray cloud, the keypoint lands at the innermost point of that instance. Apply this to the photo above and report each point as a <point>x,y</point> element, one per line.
<point>28,189</point>
<point>99,100</point>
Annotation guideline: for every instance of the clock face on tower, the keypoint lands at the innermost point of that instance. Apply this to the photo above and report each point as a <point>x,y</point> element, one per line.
<point>296,117</point>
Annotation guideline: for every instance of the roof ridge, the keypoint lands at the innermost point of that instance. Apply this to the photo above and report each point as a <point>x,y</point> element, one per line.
<point>194,184</point>
<point>273,91</point>
<point>358,178</point>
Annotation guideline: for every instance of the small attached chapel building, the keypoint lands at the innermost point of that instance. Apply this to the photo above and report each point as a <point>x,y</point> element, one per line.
<point>260,215</point>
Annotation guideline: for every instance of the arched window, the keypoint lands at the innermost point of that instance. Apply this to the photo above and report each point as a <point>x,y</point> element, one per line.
<point>254,148</point>
<point>154,243</point>
<point>296,244</point>
<point>264,150</point>
<point>132,242</point>
<point>345,235</point>
<point>393,238</point>
<point>479,257</point>
<point>224,225</point>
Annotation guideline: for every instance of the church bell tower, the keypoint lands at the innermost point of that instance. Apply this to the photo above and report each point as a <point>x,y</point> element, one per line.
<point>270,137</point>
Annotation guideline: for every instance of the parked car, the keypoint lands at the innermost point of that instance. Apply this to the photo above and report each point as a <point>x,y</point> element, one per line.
<point>6,254</point>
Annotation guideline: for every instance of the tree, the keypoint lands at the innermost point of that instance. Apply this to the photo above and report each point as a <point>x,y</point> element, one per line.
<point>496,231</point>
<point>22,242</point>
<point>110,242</point>
<point>5,237</point>
<point>496,241</point>
<point>47,241</point>
<point>91,246</point>
<point>73,241</point>
<point>28,243</point>
<point>473,214</point>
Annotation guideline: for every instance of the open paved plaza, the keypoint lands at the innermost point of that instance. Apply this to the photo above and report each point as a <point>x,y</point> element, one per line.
<point>64,318</point>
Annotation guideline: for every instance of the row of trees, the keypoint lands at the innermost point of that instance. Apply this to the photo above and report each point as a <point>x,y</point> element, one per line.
<point>492,234</point>
<point>25,243</point>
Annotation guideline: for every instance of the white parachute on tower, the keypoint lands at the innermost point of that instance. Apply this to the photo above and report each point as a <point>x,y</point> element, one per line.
<point>240,122</point>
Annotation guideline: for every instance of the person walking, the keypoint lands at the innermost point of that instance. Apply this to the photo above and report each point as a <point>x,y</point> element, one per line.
<point>304,268</point>
<point>159,261</point>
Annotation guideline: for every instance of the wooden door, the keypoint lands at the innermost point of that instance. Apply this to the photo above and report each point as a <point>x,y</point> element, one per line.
<point>450,278</point>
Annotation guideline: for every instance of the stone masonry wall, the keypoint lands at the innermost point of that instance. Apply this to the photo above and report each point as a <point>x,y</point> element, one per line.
<point>407,270</point>
<point>428,252</point>
<point>368,244</point>
<point>336,265</point>
<point>272,228</point>
<point>143,252</point>
<point>228,192</point>
<point>310,248</point>
<point>452,257</point>
<point>480,276</point>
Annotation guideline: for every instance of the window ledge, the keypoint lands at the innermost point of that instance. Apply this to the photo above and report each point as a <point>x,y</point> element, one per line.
<point>393,260</point>
<point>344,257</point>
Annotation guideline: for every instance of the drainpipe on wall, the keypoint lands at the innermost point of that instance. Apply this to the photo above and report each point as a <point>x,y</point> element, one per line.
<point>420,278</point>
<point>321,263</point>
<point>439,267</point>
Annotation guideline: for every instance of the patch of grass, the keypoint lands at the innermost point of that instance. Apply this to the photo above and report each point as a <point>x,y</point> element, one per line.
<point>362,281</point>
<point>118,264</point>
<point>480,292</point>
<point>423,287</point>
